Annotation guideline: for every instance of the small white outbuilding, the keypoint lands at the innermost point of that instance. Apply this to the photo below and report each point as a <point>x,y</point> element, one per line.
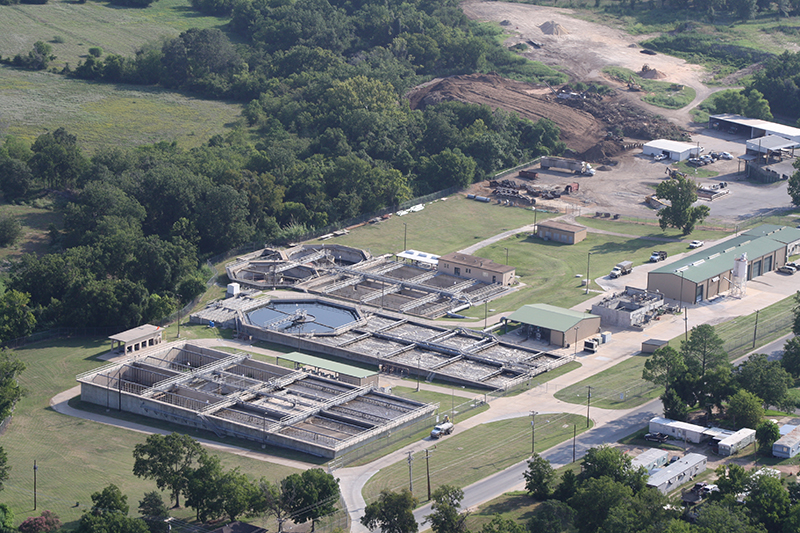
<point>674,150</point>
<point>733,443</point>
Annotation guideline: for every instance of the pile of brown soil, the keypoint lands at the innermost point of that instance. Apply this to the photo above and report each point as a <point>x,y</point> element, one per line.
<point>651,73</point>
<point>553,28</point>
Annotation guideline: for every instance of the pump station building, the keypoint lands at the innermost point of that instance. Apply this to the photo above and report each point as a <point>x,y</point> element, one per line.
<point>554,324</point>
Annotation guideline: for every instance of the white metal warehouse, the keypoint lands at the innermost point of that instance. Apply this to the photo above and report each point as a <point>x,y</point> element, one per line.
<point>752,127</point>
<point>675,150</point>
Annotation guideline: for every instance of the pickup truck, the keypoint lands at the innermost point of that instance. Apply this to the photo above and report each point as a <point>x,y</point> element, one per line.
<point>657,256</point>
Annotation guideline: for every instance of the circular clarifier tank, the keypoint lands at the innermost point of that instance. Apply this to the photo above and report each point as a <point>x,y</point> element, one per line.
<point>301,317</point>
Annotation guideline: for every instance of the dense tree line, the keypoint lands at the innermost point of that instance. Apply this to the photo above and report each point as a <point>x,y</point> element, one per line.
<point>181,465</point>
<point>699,375</point>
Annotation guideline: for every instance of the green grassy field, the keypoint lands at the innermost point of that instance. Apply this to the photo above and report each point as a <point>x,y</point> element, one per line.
<point>658,93</point>
<point>442,227</point>
<point>463,459</point>
<point>76,457</point>
<point>34,221</point>
<point>619,387</point>
<point>117,30</point>
<point>106,115</point>
<point>551,272</point>
<point>652,229</point>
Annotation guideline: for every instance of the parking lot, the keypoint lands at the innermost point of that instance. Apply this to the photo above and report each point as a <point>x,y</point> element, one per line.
<point>622,188</point>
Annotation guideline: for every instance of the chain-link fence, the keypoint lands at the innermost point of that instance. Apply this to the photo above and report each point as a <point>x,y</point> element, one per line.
<point>744,338</point>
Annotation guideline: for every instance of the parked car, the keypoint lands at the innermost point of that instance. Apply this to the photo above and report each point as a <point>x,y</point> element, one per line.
<point>786,269</point>
<point>708,489</point>
<point>699,486</point>
<point>725,155</point>
<point>656,437</point>
<point>696,244</point>
<point>660,157</point>
<point>795,264</point>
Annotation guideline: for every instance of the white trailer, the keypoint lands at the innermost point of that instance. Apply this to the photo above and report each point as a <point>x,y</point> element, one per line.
<point>577,167</point>
<point>733,443</point>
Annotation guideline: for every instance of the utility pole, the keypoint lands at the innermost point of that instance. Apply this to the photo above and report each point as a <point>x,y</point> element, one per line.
<point>418,370</point>
<point>686,324</point>
<point>755,330</point>
<point>35,469</point>
<point>405,234</point>
<point>410,478</point>
<point>533,432</point>
<point>428,470</point>
<point>506,249</point>
<point>485,314</point>
<point>574,435</point>
<point>588,401</point>
<point>588,280</point>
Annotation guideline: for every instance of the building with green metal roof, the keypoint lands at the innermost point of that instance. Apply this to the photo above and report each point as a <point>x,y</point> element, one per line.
<point>709,271</point>
<point>331,369</point>
<point>555,324</point>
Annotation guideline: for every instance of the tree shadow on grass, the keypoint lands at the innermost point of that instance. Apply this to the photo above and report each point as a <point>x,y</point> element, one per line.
<point>511,505</point>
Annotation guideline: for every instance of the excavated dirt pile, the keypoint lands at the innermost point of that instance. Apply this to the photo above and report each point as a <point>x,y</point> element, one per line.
<point>583,121</point>
<point>553,28</point>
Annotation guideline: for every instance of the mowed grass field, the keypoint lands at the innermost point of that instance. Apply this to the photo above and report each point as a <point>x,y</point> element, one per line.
<point>548,272</point>
<point>76,457</point>
<point>463,459</point>
<point>106,115</point>
<point>115,29</point>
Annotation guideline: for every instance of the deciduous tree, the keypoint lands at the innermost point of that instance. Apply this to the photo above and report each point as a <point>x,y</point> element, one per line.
<point>311,495</point>
<point>538,477</point>
<point>392,512</point>
<point>168,460</point>
<point>681,193</point>
<point>746,409</point>
<point>10,389</point>
<point>446,516</point>
<point>767,432</point>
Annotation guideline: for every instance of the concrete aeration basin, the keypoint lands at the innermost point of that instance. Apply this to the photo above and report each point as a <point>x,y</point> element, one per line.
<point>234,395</point>
<point>393,344</point>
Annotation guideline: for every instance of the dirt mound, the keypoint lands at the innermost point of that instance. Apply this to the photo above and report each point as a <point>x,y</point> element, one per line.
<point>579,129</point>
<point>552,27</point>
<point>651,73</point>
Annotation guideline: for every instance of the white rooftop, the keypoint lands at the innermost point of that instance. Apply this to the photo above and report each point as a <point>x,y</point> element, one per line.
<point>671,470</point>
<point>771,127</point>
<point>671,146</point>
<point>422,257</point>
<point>678,424</point>
<point>737,437</point>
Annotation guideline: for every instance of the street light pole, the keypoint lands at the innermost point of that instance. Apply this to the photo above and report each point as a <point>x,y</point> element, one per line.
<point>35,469</point>
<point>485,314</point>
<point>534,221</point>
<point>575,329</point>
<point>588,281</point>
<point>506,249</point>
<point>533,432</point>
<point>405,234</point>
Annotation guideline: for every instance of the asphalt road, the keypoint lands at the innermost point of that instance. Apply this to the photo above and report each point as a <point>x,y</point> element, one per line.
<point>511,478</point>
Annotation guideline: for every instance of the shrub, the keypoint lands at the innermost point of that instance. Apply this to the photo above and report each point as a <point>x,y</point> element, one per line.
<point>58,39</point>
<point>95,51</point>
<point>45,523</point>
<point>10,230</point>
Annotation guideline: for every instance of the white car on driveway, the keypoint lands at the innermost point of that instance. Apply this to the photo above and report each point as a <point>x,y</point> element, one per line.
<point>696,244</point>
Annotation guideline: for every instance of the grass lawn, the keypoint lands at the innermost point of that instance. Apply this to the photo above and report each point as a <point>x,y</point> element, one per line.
<point>658,93</point>
<point>442,227</point>
<point>517,506</point>
<point>774,322</point>
<point>34,221</point>
<point>618,387</point>
<point>638,229</point>
<point>421,434</point>
<point>104,115</point>
<point>552,272</point>
<point>76,457</point>
<point>475,454</point>
<point>117,30</point>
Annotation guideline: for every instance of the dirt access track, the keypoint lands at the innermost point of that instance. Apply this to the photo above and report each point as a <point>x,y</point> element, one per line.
<point>582,52</point>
